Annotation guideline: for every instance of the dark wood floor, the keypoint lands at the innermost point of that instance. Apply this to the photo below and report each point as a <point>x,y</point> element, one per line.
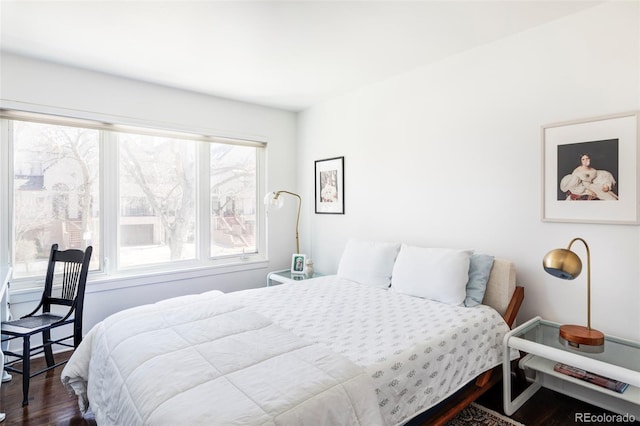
<point>50,404</point>
<point>545,408</point>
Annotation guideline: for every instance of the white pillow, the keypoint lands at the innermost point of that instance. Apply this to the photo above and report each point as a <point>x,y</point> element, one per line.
<point>368,262</point>
<point>432,273</point>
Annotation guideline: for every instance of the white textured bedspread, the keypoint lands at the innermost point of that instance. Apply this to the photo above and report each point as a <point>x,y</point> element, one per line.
<point>207,360</point>
<point>417,351</point>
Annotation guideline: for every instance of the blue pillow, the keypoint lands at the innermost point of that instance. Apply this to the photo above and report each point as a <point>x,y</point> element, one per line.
<point>479,270</point>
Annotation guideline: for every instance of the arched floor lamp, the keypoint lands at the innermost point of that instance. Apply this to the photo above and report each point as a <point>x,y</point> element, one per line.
<point>273,199</point>
<point>565,264</point>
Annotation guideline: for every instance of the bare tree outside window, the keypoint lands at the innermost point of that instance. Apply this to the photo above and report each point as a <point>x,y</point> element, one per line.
<point>233,199</point>
<point>157,199</point>
<point>55,193</point>
<point>154,185</point>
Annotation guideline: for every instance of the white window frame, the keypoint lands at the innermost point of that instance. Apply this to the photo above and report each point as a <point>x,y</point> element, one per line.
<point>203,264</point>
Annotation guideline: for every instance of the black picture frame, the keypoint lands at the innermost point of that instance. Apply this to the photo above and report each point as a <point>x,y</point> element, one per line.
<point>329,186</point>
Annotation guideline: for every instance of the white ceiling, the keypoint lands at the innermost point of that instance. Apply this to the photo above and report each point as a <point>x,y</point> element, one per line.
<point>287,54</point>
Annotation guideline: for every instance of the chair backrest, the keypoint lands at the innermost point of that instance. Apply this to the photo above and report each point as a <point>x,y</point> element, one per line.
<point>69,268</point>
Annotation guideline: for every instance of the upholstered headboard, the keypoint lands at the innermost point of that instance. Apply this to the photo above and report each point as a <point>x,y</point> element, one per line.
<point>501,285</point>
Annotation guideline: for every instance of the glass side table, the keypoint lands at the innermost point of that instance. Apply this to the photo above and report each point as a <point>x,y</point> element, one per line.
<point>285,276</point>
<point>539,339</point>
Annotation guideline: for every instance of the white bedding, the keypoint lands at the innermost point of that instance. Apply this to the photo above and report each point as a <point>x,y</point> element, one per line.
<point>204,360</point>
<point>417,351</point>
<point>323,351</point>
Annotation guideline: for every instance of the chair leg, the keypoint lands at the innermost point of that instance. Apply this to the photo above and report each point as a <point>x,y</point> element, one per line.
<point>77,336</point>
<point>48,351</point>
<point>26,369</point>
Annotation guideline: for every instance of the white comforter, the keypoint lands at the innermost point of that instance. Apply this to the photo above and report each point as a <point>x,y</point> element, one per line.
<point>417,351</point>
<point>206,360</point>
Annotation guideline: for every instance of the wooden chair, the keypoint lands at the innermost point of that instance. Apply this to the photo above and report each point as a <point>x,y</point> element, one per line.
<point>68,269</point>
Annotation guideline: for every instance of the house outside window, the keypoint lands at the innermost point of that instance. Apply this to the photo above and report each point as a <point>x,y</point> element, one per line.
<point>233,200</point>
<point>55,193</point>
<point>160,174</point>
<point>141,199</point>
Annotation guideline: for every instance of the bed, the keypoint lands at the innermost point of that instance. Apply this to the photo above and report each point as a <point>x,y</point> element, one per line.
<point>367,346</point>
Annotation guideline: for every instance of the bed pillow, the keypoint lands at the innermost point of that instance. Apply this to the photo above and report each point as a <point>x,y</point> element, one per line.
<point>438,274</point>
<point>479,269</point>
<point>368,262</point>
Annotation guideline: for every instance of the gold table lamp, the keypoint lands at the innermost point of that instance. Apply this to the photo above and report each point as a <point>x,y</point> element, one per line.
<point>565,264</point>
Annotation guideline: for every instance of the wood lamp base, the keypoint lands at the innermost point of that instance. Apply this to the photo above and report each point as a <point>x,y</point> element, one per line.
<point>582,338</point>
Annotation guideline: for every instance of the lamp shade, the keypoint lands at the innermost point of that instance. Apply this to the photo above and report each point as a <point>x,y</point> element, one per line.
<point>562,263</point>
<point>274,200</point>
<point>565,264</point>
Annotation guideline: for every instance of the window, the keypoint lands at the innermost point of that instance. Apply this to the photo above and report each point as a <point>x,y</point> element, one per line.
<point>55,193</point>
<point>157,187</point>
<point>233,200</point>
<point>167,200</point>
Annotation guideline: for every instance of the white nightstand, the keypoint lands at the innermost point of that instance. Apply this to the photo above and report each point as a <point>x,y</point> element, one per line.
<point>285,276</point>
<point>539,339</point>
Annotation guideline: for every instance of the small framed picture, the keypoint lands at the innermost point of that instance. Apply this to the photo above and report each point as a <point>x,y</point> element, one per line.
<point>298,262</point>
<point>329,185</point>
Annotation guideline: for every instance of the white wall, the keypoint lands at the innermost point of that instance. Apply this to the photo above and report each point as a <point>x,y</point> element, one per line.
<point>46,87</point>
<point>450,155</point>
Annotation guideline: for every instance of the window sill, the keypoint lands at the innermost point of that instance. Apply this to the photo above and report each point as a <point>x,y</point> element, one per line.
<point>99,282</point>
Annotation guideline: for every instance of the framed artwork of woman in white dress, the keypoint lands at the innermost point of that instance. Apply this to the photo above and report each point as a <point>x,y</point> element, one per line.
<point>590,170</point>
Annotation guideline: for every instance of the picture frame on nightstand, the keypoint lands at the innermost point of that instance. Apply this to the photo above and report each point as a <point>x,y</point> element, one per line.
<point>298,263</point>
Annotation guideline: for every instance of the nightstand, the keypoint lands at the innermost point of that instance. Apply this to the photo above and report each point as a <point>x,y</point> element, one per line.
<point>539,340</point>
<point>285,276</point>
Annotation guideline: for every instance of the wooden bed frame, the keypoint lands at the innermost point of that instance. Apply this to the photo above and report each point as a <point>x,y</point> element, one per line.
<point>505,297</point>
<point>448,408</point>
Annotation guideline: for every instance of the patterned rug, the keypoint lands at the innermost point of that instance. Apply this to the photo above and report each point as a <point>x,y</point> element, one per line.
<point>476,414</point>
